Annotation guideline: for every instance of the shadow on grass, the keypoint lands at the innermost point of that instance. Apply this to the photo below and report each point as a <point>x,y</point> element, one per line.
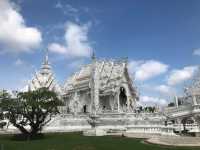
<point>24,137</point>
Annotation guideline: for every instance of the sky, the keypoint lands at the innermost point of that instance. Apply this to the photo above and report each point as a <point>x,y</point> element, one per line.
<point>160,38</point>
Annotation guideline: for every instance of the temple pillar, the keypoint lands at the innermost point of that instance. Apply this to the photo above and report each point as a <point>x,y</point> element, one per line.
<point>176,101</point>
<point>111,102</point>
<point>197,120</point>
<point>118,103</point>
<point>194,100</point>
<point>128,103</point>
<point>95,86</point>
<point>75,103</point>
<point>179,124</point>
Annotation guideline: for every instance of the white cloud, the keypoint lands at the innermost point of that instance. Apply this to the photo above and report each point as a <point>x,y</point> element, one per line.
<point>177,76</point>
<point>144,70</point>
<point>77,43</point>
<point>133,65</point>
<point>15,35</point>
<point>76,64</point>
<point>58,5</point>
<point>148,100</point>
<point>68,10</point>
<point>57,48</point>
<point>196,52</point>
<point>19,62</point>
<point>164,89</point>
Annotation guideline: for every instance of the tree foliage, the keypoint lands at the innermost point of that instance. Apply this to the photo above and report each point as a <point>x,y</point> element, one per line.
<point>149,109</point>
<point>3,96</point>
<point>31,110</point>
<point>171,104</point>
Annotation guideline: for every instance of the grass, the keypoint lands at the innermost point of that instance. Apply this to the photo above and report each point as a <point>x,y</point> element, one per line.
<point>75,141</point>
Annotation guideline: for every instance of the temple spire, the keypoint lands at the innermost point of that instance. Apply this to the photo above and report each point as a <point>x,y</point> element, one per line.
<point>45,68</point>
<point>46,61</point>
<point>93,55</point>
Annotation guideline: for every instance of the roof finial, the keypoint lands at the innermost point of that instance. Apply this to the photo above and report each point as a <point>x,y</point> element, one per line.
<point>46,57</point>
<point>93,55</point>
<point>126,61</point>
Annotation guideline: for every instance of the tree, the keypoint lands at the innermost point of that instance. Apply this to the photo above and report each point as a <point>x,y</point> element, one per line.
<point>151,109</point>
<point>171,104</point>
<point>31,110</point>
<point>3,95</point>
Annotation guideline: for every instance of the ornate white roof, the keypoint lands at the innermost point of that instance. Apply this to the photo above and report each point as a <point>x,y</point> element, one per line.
<point>44,78</point>
<point>194,88</point>
<point>110,73</point>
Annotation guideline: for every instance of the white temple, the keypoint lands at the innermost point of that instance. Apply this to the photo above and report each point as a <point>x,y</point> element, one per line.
<point>102,86</point>
<point>101,95</point>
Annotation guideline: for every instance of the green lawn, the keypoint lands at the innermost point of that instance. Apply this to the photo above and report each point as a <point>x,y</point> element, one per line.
<point>75,141</point>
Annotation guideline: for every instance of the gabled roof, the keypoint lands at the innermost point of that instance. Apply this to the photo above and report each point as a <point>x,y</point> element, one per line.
<point>109,71</point>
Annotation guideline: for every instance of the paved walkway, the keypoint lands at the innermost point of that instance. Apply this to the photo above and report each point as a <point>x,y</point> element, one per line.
<point>176,141</point>
<point>168,140</point>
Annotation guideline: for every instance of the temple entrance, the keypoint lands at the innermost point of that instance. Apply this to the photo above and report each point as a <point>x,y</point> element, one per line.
<point>105,103</point>
<point>122,97</point>
<point>85,109</point>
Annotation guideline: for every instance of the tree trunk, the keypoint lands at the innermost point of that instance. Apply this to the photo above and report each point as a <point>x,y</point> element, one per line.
<point>22,129</point>
<point>34,129</point>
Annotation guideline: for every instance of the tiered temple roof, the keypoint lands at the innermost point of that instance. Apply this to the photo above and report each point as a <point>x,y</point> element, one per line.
<point>110,73</point>
<point>44,78</point>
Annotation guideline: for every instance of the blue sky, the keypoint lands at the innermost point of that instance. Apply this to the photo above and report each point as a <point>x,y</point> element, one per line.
<point>160,38</point>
